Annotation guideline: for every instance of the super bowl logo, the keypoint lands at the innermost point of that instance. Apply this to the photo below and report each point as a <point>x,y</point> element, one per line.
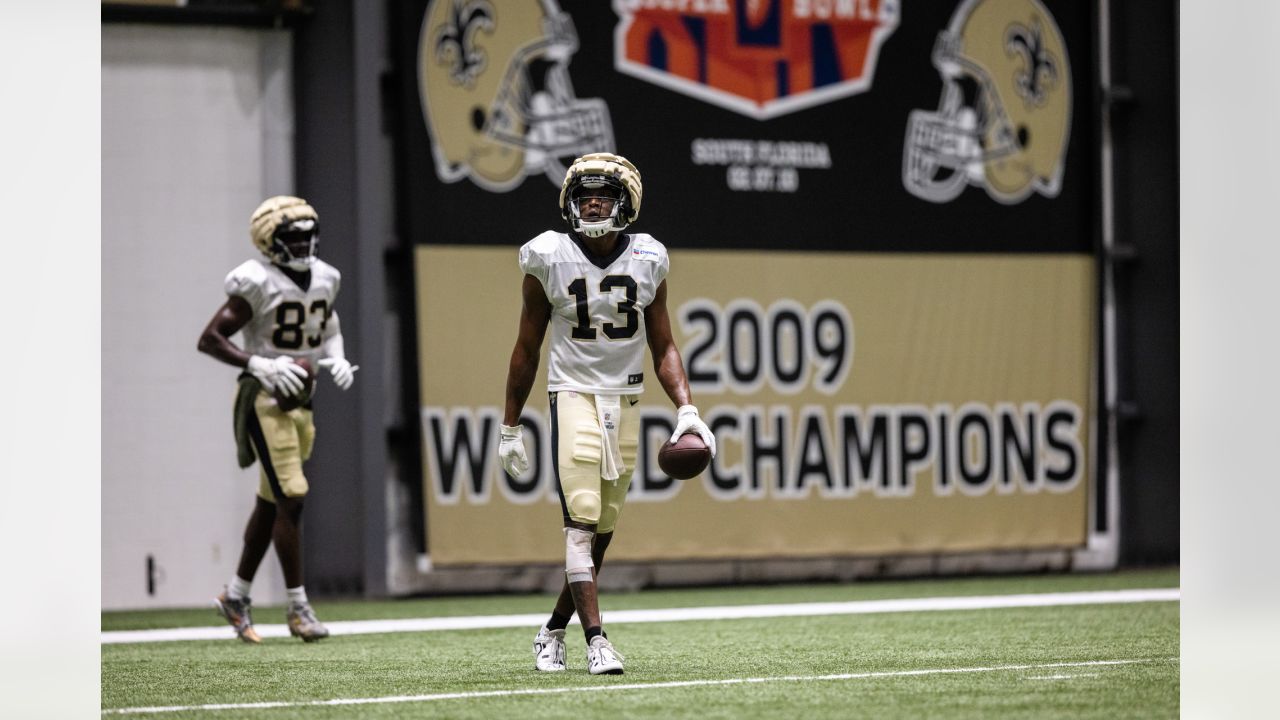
<point>760,58</point>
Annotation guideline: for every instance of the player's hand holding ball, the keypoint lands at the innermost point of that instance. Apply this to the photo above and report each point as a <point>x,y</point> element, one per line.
<point>279,374</point>
<point>690,448</point>
<point>687,421</point>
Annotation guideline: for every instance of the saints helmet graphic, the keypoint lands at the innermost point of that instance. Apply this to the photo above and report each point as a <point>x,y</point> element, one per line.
<point>496,93</point>
<point>1005,114</point>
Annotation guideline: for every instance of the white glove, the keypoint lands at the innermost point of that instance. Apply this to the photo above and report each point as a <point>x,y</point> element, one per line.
<point>278,374</point>
<point>687,420</point>
<point>343,372</point>
<point>511,450</point>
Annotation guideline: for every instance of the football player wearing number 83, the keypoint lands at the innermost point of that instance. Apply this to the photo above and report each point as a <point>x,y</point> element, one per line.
<point>283,304</point>
<point>604,296</point>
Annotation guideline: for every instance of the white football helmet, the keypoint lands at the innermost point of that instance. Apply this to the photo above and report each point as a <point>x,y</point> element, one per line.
<point>605,175</point>
<point>287,230</point>
<point>499,104</point>
<point>1005,114</point>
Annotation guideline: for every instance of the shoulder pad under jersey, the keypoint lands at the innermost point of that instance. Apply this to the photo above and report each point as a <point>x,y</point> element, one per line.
<point>321,270</point>
<point>247,280</point>
<point>537,254</point>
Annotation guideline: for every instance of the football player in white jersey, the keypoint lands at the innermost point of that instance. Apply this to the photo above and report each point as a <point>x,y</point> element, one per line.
<point>604,296</point>
<point>283,304</point>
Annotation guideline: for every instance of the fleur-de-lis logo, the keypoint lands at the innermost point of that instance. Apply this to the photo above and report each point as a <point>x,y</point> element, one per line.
<point>1038,75</point>
<point>454,41</point>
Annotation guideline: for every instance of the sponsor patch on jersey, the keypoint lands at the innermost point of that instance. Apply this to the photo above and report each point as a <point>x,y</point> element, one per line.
<point>643,253</point>
<point>635,379</point>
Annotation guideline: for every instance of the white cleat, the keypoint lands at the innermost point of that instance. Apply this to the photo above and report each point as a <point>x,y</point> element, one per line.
<point>548,650</point>
<point>602,659</point>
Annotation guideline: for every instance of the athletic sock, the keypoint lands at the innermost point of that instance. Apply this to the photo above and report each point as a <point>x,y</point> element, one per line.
<point>557,621</point>
<point>593,631</point>
<point>238,589</point>
<point>298,594</point>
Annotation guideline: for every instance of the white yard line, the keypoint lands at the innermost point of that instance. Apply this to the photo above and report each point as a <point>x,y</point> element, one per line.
<point>607,688</point>
<point>723,612</point>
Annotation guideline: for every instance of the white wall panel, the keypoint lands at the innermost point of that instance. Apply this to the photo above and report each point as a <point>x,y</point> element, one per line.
<point>197,128</point>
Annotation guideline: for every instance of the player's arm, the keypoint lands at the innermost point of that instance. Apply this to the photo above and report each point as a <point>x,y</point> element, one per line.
<point>667,363</point>
<point>669,367</point>
<point>335,353</point>
<point>279,373</point>
<point>215,341</point>
<point>535,314</point>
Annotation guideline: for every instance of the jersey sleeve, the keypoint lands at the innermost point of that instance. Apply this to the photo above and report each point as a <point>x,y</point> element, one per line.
<point>248,281</point>
<point>649,249</point>
<point>535,257</point>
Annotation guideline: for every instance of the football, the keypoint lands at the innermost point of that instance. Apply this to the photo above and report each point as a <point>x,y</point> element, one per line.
<point>309,384</point>
<point>685,458</point>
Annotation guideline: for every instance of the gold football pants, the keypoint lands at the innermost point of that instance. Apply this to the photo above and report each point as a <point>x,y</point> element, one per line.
<point>578,443</point>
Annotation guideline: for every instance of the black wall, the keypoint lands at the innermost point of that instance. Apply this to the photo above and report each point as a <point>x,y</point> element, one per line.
<point>1144,54</point>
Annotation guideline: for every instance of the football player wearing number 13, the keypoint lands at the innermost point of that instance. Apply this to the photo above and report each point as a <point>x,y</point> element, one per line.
<point>283,305</point>
<point>603,294</point>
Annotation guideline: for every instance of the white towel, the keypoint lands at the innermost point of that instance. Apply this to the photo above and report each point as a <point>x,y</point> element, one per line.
<point>609,412</point>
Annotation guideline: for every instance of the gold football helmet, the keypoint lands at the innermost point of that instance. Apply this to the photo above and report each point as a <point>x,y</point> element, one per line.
<point>601,172</point>
<point>496,93</point>
<point>1005,114</point>
<point>287,230</point>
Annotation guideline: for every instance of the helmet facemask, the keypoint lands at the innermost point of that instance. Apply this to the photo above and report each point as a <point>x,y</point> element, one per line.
<point>294,244</point>
<point>596,205</point>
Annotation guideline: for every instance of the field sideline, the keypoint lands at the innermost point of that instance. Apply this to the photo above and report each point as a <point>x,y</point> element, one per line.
<point>1097,645</point>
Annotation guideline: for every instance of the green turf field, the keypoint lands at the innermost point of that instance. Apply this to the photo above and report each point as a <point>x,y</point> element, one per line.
<point>1081,661</point>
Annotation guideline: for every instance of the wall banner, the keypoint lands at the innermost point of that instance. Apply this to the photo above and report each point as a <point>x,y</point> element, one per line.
<point>880,221</point>
<point>860,125</point>
<point>864,405</point>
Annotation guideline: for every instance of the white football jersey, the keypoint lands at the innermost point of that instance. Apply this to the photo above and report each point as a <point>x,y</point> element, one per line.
<point>287,320</point>
<point>597,309</point>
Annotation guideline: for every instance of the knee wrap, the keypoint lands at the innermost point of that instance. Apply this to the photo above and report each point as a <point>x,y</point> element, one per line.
<point>577,554</point>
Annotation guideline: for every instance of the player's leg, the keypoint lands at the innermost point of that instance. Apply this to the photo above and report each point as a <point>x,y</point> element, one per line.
<point>563,611</point>
<point>613,495</point>
<point>286,533</point>
<point>578,444</point>
<point>257,538</point>
<point>574,434</point>
<point>612,499</point>
<point>601,655</point>
<point>282,441</point>
<point>234,603</point>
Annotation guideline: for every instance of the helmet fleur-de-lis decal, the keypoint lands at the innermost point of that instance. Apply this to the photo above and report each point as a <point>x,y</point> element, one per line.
<point>454,42</point>
<point>1039,73</point>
